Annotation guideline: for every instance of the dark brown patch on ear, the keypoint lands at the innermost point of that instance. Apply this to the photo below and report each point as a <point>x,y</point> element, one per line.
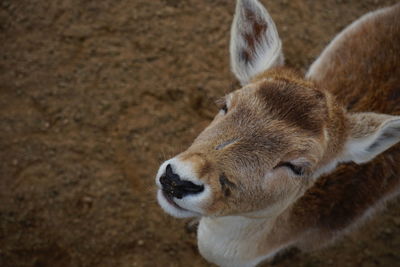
<point>258,28</point>
<point>245,56</point>
<point>298,106</point>
<point>226,185</point>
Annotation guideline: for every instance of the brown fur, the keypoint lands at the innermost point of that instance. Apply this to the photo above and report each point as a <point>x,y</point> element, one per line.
<point>337,200</point>
<point>301,107</point>
<point>252,38</point>
<point>281,119</point>
<point>368,81</point>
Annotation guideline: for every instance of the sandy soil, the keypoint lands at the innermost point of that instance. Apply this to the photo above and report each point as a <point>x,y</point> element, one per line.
<point>95,94</point>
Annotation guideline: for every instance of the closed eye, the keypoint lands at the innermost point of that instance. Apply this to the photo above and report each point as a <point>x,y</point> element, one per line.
<point>297,170</point>
<point>222,104</point>
<point>224,108</point>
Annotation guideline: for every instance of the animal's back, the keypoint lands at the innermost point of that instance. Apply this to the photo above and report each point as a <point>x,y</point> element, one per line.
<point>362,64</point>
<point>361,67</point>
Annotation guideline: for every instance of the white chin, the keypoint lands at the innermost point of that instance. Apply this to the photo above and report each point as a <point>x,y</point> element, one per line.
<point>172,209</point>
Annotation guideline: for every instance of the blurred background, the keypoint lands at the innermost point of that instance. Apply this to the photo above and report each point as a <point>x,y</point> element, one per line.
<point>94,95</point>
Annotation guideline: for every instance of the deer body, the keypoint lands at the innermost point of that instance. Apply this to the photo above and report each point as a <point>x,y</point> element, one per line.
<point>292,161</point>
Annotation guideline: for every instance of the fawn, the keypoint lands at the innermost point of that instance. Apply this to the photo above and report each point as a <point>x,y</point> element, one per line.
<point>292,160</point>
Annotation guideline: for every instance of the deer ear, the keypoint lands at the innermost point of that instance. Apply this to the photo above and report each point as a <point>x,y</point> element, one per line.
<point>255,45</point>
<point>370,135</point>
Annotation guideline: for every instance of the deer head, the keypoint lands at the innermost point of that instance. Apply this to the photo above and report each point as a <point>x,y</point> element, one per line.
<point>271,139</point>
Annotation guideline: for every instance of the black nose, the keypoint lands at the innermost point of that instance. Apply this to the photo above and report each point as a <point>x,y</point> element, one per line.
<point>174,186</point>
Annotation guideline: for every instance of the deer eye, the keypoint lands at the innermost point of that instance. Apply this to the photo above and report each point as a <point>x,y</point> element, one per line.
<point>297,170</point>
<point>223,105</point>
<point>224,108</point>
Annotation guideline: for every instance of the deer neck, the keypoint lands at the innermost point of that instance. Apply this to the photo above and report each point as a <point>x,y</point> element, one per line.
<point>239,240</point>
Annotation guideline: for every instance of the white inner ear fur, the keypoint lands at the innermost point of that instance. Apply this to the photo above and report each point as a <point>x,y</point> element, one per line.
<point>370,143</point>
<point>266,52</point>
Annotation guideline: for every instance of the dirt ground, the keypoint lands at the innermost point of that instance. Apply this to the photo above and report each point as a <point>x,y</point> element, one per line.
<point>94,95</point>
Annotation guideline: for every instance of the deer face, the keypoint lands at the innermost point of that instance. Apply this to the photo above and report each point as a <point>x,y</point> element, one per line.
<point>270,139</point>
<point>257,154</point>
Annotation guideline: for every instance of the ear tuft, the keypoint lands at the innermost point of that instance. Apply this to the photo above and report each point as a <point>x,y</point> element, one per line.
<point>255,45</point>
<point>370,135</point>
